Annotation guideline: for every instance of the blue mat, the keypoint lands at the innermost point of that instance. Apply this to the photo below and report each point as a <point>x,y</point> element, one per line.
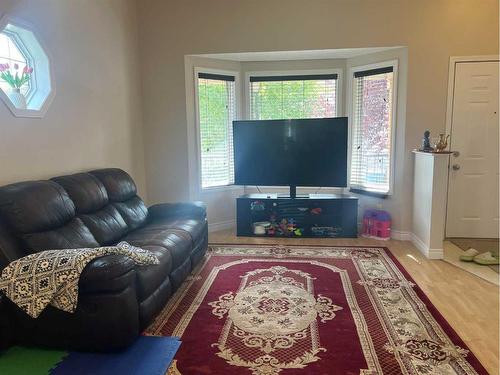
<point>148,355</point>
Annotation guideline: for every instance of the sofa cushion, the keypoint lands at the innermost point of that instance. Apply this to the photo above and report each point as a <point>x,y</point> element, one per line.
<point>73,235</point>
<point>133,211</point>
<point>152,305</point>
<point>195,228</point>
<point>118,183</point>
<point>107,225</point>
<point>176,243</point>
<point>35,206</point>
<point>184,210</point>
<point>150,278</point>
<point>122,194</point>
<point>85,190</point>
<point>106,274</point>
<point>42,216</point>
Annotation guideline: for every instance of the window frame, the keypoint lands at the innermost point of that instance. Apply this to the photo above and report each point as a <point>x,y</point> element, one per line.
<point>237,92</point>
<point>349,110</point>
<point>23,41</point>
<point>338,88</point>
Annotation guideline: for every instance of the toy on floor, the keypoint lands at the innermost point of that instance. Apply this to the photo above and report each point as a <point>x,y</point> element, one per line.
<point>376,224</point>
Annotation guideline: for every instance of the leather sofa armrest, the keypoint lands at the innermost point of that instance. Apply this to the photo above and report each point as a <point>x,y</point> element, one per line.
<point>194,210</point>
<point>109,273</point>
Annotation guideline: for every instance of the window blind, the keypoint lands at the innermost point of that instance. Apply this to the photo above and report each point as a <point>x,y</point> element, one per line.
<point>217,110</point>
<point>372,130</point>
<point>293,96</point>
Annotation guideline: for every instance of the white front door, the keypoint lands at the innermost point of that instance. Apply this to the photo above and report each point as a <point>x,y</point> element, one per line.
<point>473,176</point>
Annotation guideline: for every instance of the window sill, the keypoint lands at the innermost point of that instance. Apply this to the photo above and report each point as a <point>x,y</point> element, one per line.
<point>369,193</point>
<point>214,189</point>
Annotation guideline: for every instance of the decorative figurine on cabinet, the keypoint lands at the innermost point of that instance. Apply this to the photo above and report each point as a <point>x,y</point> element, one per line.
<point>426,142</point>
<point>443,143</point>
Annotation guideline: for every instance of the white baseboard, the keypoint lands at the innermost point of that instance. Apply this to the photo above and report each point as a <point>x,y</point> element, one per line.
<point>435,254</point>
<point>419,244</point>
<point>401,235</point>
<point>214,227</point>
<point>426,250</point>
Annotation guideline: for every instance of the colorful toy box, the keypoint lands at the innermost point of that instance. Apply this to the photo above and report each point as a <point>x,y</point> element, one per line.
<point>376,224</point>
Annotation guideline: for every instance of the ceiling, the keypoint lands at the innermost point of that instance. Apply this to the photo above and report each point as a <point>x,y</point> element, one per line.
<point>343,53</point>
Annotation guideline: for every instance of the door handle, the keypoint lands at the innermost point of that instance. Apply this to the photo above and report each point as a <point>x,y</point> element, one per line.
<point>456,167</point>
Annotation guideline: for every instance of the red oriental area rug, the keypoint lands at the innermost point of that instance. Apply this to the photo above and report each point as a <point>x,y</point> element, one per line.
<point>266,310</point>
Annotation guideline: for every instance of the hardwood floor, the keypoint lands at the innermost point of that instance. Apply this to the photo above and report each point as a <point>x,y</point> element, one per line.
<point>468,303</point>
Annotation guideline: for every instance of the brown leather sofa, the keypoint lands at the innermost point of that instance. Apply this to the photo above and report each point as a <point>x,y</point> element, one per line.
<point>117,299</point>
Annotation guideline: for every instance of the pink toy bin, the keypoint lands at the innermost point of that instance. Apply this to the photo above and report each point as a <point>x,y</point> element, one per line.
<point>376,224</point>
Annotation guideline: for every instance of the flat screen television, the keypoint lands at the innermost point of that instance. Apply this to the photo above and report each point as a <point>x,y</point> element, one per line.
<point>305,152</point>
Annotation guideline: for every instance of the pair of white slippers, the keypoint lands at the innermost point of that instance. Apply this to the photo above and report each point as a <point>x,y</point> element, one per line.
<point>472,255</point>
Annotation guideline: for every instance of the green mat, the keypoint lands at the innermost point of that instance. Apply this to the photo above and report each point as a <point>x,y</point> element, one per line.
<point>29,361</point>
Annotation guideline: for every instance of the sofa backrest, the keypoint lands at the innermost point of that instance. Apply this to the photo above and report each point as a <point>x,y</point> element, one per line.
<point>80,210</point>
<point>122,195</point>
<point>42,216</point>
<point>106,201</point>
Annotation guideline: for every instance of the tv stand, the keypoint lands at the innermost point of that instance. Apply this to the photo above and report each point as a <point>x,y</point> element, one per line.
<point>313,215</point>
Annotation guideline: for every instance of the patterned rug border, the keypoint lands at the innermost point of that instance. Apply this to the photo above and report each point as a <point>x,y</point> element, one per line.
<point>436,314</point>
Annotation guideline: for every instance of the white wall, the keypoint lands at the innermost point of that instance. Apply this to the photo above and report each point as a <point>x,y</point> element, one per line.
<point>95,119</point>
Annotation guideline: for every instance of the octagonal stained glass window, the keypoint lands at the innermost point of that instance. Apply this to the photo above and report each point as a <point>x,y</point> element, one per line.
<point>26,84</point>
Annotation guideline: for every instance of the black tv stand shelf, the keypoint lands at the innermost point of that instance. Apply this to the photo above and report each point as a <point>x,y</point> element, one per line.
<point>312,215</point>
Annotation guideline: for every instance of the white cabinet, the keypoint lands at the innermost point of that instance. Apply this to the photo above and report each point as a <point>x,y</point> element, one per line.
<point>429,202</point>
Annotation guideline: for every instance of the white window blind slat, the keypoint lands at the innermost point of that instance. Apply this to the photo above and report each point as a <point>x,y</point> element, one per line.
<point>372,130</point>
<point>287,97</point>
<point>217,111</point>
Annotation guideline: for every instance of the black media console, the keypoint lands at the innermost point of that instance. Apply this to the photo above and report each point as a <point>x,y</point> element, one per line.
<point>313,215</point>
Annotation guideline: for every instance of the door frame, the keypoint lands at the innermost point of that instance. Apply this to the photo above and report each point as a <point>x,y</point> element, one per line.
<point>454,60</point>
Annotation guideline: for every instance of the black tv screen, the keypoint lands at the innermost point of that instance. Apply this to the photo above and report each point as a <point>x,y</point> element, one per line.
<point>306,152</point>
